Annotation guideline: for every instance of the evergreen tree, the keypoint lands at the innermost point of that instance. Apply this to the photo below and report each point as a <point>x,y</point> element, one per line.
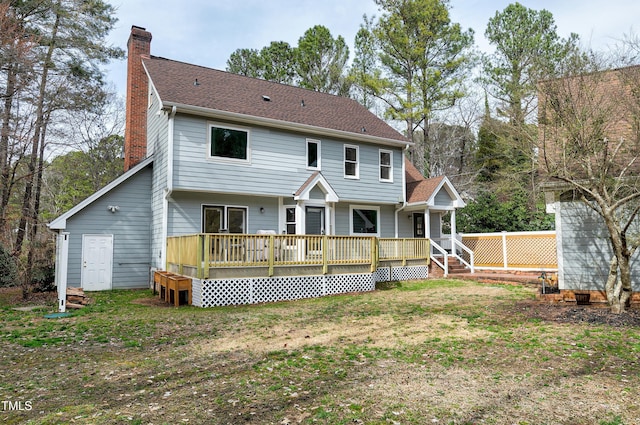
<point>423,56</point>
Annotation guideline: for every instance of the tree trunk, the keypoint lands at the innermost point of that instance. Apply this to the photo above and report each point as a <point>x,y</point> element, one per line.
<point>624,292</point>
<point>618,285</point>
<point>33,230</point>
<point>5,187</point>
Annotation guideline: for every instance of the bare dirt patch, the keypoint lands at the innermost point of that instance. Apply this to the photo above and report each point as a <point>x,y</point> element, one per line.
<point>596,313</point>
<point>13,296</point>
<point>382,331</point>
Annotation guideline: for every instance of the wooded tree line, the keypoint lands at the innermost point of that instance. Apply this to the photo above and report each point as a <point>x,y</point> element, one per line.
<point>472,115</point>
<point>53,96</point>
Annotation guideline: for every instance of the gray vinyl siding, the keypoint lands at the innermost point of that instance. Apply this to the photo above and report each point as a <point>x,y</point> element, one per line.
<point>405,224</point>
<point>130,227</point>
<point>435,225</point>
<point>277,165</point>
<point>157,136</point>
<point>185,211</point>
<point>443,199</point>
<point>586,250</point>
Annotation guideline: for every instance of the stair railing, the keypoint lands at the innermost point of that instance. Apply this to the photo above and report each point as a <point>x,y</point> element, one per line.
<point>445,256</point>
<point>470,264</point>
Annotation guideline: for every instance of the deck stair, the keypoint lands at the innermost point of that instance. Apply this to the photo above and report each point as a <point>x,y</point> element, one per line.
<point>455,265</point>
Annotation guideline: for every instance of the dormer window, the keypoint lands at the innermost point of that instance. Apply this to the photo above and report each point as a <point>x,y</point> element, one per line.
<point>228,142</point>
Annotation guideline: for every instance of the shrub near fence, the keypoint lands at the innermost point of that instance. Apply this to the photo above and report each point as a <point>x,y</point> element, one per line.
<point>513,250</point>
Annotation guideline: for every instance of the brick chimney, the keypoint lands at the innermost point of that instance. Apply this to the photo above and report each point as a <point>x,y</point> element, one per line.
<point>135,133</point>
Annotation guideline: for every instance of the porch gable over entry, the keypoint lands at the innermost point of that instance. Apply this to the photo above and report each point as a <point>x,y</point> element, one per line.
<point>316,180</point>
<point>314,210</point>
<point>433,193</point>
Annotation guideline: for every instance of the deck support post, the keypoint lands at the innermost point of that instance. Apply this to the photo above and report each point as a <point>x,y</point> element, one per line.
<point>272,252</point>
<point>325,264</point>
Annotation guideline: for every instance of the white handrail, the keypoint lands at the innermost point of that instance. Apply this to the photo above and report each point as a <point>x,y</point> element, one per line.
<point>470,264</point>
<point>445,266</point>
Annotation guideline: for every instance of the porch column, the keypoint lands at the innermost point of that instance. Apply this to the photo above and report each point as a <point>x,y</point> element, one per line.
<point>427,224</point>
<point>300,218</point>
<point>453,231</point>
<point>329,219</point>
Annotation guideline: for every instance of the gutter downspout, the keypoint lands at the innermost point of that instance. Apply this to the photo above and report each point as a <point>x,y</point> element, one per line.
<point>168,189</point>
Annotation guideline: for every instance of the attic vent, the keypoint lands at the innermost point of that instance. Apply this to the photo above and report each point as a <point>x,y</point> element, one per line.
<point>302,102</point>
<point>196,83</point>
<point>266,98</point>
<point>363,129</point>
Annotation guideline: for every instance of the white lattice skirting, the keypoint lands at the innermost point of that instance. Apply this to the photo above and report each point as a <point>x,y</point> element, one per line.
<point>409,273</point>
<point>218,292</point>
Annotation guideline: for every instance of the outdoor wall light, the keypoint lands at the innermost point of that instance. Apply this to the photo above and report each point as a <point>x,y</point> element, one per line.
<point>261,210</point>
<point>113,208</point>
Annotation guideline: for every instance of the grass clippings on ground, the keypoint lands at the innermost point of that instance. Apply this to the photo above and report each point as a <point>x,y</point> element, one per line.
<point>437,352</point>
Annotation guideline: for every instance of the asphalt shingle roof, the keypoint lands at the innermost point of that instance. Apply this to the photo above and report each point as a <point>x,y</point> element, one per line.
<point>419,189</point>
<point>175,83</point>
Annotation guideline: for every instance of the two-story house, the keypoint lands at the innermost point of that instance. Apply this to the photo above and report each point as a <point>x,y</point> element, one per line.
<point>210,152</point>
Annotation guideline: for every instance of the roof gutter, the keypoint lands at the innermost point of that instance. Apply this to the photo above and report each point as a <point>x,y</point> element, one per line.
<point>285,125</point>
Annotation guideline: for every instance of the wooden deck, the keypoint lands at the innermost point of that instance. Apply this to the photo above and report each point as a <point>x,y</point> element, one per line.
<point>241,255</point>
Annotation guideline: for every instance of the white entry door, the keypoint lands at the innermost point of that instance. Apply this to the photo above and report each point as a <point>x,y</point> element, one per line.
<point>97,262</point>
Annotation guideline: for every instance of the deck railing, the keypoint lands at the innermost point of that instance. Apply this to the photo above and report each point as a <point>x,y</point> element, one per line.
<point>204,250</point>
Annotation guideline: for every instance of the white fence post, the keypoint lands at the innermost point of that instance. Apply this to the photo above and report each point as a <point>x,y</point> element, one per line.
<point>504,250</point>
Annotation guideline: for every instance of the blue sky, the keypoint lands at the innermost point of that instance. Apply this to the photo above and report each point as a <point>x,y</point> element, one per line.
<point>206,32</point>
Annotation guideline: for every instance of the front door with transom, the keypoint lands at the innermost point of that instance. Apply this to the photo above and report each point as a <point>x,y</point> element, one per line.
<point>97,262</point>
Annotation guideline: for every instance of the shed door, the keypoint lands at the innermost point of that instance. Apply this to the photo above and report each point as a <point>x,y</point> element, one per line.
<point>97,262</point>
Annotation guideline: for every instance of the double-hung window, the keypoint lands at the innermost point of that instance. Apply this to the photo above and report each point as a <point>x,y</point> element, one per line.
<point>386,166</point>
<point>228,143</point>
<point>351,162</point>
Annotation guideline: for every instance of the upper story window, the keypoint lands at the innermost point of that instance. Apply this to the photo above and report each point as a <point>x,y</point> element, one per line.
<point>313,154</point>
<point>386,166</point>
<point>228,142</point>
<point>351,166</point>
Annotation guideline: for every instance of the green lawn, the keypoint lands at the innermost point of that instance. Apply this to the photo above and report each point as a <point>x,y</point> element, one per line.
<point>440,351</point>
